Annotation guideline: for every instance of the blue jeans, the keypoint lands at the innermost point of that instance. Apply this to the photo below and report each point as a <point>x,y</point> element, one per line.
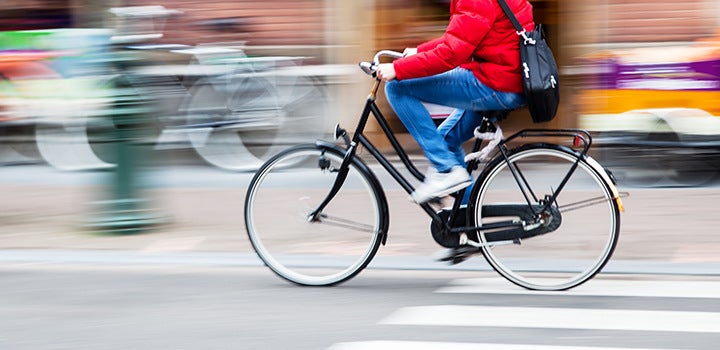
<point>458,88</point>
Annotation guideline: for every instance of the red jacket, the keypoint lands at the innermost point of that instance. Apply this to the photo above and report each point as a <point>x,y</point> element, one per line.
<point>480,38</point>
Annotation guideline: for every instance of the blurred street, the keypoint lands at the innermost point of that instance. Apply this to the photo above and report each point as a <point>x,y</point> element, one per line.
<point>194,282</point>
<point>191,306</point>
<point>201,209</point>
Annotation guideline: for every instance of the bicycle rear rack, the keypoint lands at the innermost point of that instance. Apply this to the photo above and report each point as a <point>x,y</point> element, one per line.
<point>580,137</point>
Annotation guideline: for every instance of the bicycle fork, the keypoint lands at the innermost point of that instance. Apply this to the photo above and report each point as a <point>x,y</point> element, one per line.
<point>344,169</point>
<point>342,172</point>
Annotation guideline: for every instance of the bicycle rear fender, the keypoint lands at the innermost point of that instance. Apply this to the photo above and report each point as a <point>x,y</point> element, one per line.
<point>377,187</point>
<point>610,180</point>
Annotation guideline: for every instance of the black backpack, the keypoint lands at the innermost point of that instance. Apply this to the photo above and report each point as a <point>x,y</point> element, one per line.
<point>539,71</point>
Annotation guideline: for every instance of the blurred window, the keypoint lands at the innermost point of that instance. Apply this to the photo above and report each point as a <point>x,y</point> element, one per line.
<point>29,14</point>
<point>276,22</point>
<point>657,21</point>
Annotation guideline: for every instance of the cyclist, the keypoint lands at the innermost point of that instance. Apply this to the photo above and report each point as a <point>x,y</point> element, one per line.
<point>474,66</point>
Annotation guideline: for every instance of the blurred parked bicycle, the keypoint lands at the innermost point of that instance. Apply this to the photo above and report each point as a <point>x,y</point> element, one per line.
<point>234,110</point>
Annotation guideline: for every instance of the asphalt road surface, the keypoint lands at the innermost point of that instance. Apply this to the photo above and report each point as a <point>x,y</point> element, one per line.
<point>190,306</point>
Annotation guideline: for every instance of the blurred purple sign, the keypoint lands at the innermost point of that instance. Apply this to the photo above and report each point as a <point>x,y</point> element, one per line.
<point>694,76</point>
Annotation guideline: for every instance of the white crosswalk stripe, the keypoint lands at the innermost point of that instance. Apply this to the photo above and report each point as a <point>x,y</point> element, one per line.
<point>571,318</point>
<point>414,345</point>
<point>596,287</point>
<point>567,318</point>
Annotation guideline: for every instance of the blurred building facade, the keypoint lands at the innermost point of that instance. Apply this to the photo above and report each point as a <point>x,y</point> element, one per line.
<point>345,32</point>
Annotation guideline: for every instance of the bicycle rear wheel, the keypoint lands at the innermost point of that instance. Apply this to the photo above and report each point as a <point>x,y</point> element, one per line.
<point>333,249</point>
<point>580,229</point>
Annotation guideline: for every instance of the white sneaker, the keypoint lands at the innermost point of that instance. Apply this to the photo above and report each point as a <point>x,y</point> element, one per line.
<point>441,184</point>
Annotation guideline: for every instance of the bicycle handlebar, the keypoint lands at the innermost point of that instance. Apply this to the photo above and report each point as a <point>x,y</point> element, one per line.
<point>371,67</point>
<point>390,53</point>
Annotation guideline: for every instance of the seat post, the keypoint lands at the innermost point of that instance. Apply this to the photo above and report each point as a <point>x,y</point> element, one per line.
<point>485,126</point>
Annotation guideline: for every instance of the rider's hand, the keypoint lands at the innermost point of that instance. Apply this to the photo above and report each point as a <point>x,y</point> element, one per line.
<point>386,71</point>
<point>409,51</point>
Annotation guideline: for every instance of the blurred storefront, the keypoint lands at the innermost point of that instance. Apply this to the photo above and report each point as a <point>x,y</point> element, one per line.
<point>635,54</point>
<point>645,78</point>
<point>345,32</point>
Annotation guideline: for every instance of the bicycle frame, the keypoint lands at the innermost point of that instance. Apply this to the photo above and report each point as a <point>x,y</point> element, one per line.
<point>580,138</point>
<point>358,138</point>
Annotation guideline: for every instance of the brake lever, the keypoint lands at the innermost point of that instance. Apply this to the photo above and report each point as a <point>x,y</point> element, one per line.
<point>369,68</point>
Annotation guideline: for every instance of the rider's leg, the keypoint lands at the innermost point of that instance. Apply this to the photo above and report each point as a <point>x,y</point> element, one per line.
<point>461,124</point>
<point>456,88</point>
<point>405,97</point>
<point>458,128</point>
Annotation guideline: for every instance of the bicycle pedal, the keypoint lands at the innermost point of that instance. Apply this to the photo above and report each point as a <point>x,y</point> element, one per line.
<point>459,254</point>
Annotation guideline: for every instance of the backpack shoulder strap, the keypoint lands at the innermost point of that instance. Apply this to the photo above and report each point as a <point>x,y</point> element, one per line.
<point>511,16</point>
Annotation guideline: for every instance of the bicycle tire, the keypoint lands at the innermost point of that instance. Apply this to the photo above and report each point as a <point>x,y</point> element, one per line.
<point>287,188</point>
<point>583,224</point>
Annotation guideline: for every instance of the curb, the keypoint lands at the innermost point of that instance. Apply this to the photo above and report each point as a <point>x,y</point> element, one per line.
<point>415,263</point>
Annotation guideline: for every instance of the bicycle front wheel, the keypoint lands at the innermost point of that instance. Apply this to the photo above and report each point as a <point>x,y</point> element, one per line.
<point>579,229</point>
<point>344,238</point>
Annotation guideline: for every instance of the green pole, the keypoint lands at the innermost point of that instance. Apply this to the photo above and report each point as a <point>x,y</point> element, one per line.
<point>126,211</point>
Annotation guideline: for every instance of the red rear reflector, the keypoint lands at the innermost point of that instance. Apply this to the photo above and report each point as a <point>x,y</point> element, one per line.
<point>578,141</point>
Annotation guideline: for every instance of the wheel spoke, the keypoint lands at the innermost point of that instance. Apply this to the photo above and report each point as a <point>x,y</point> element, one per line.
<point>340,222</point>
<point>583,204</point>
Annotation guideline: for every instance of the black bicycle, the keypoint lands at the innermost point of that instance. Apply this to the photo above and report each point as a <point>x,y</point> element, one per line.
<point>546,216</point>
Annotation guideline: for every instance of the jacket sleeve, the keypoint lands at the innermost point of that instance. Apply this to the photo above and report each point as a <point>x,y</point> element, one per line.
<point>469,23</point>
<point>429,45</point>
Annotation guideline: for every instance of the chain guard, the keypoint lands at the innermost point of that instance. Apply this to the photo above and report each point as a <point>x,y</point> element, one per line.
<point>447,239</point>
<point>444,237</point>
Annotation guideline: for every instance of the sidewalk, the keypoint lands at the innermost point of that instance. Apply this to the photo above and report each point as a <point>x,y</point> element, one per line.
<point>676,226</point>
